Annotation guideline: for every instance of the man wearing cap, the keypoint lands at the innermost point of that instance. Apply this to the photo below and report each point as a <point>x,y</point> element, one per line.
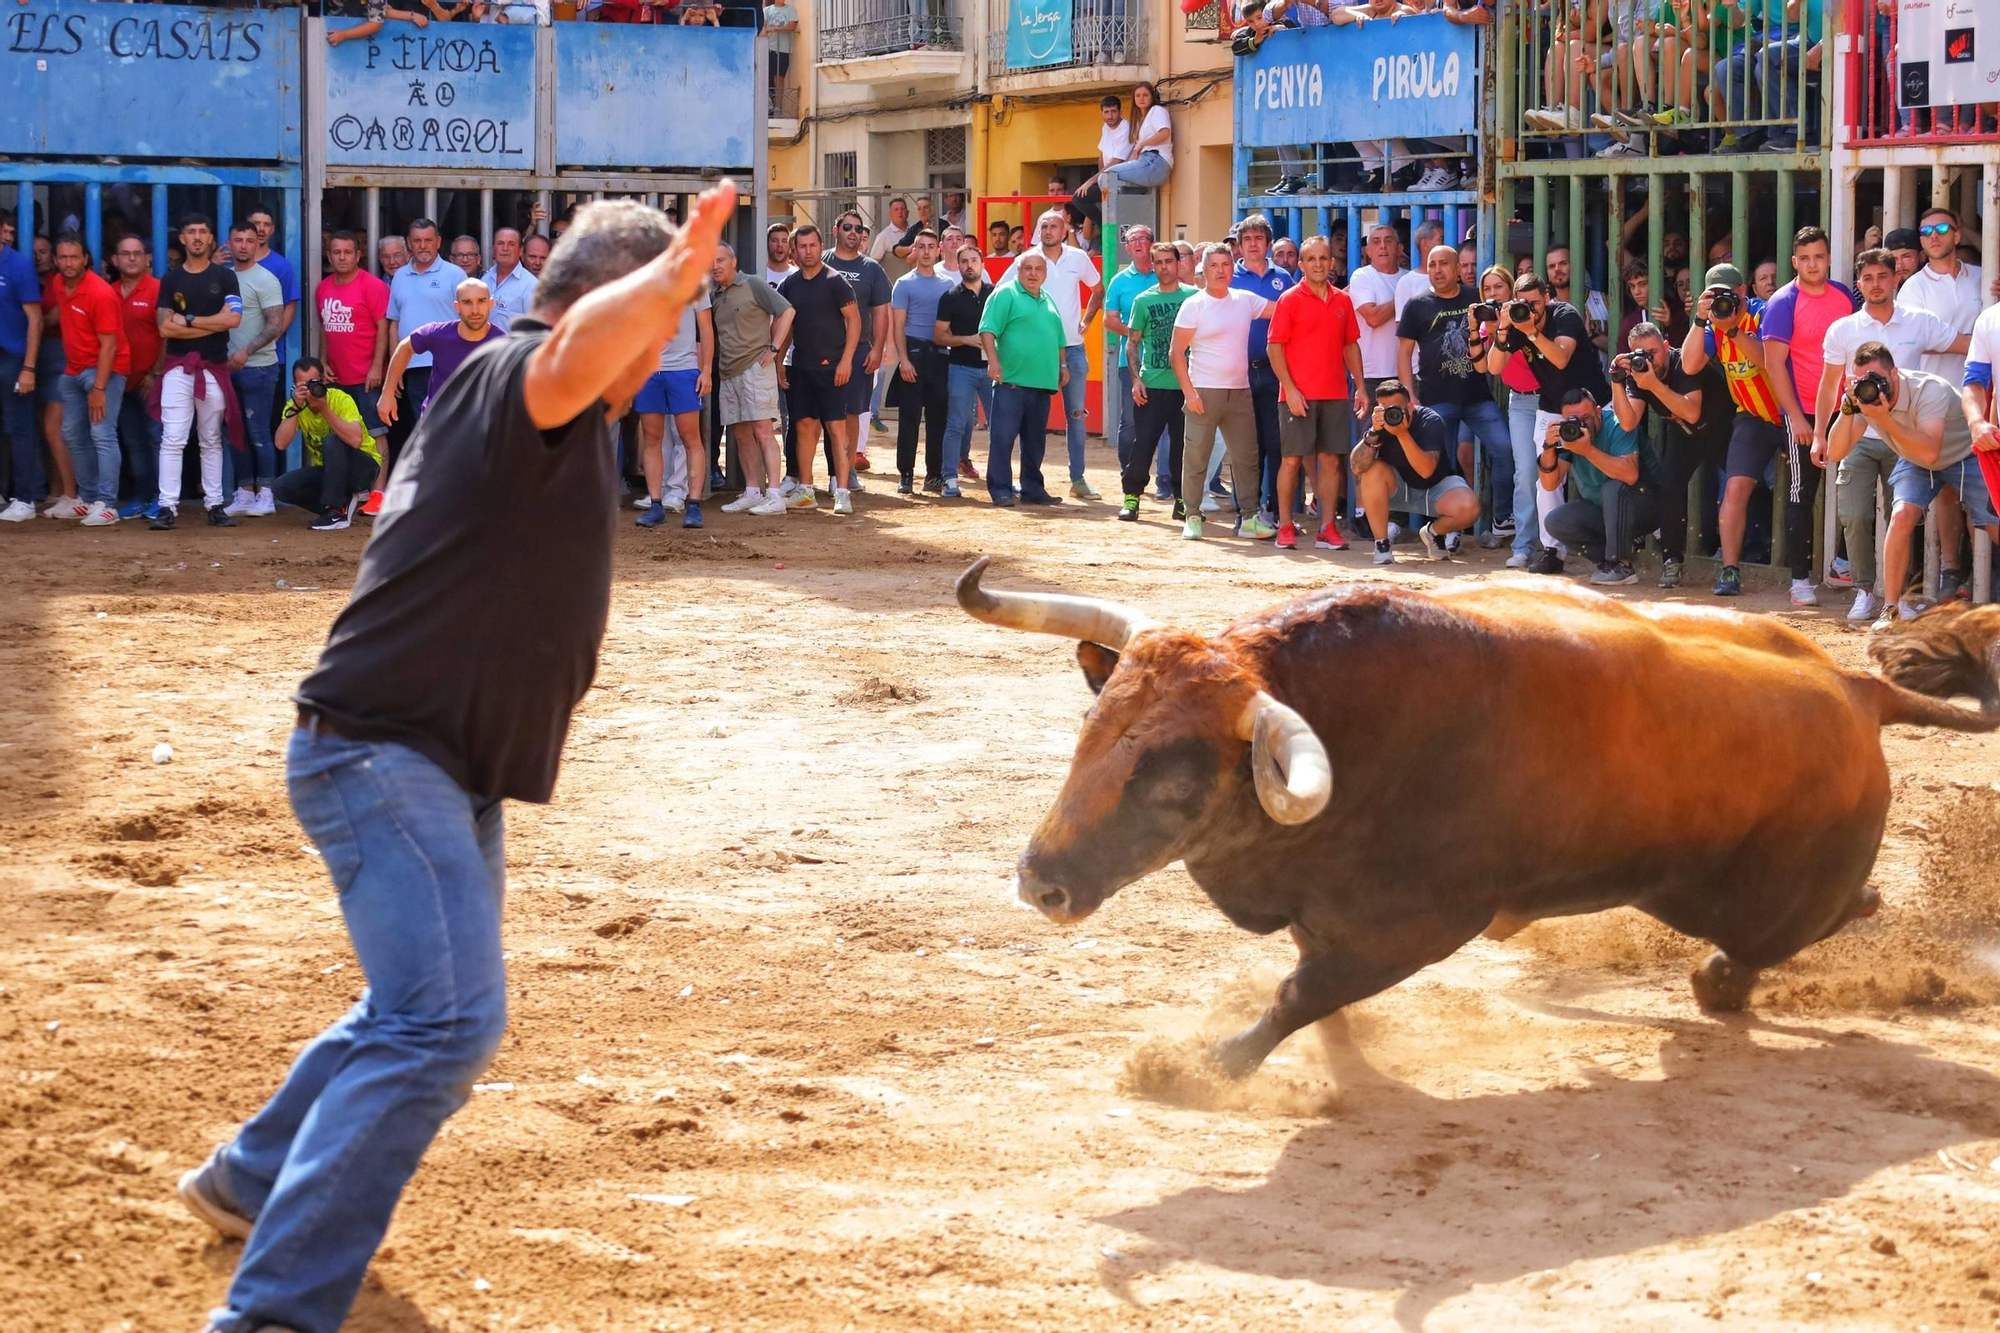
<point>1908,250</point>
<point>1758,433</point>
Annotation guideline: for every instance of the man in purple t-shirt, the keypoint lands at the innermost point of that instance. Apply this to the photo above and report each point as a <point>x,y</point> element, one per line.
<point>447,342</point>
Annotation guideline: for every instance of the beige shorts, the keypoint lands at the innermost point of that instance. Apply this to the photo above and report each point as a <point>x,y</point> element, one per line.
<point>751,396</point>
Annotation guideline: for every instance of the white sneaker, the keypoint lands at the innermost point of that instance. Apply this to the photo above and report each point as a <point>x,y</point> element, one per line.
<point>772,503</point>
<point>854,481</point>
<point>1517,561</point>
<point>801,497</point>
<point>1433,548</point>
<point>245,500</point>
<point>1803,593</point>
<point>750,499</point>
<point>265,504</point>
<point>1436,178</point>
<point>675,504</point>
<point>842,504</point>
<point>1395,533</point>
<point>1211,504</point>
<point>18,511</point>
<point>643,502</point>
<point>66,506</point>
<point>1866,605</point>
<point>100,515</point>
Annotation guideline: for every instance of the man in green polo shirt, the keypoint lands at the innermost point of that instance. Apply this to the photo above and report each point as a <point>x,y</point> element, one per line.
<point>1156,394</point>
<point>1024,341</point>
<point>342,458</point>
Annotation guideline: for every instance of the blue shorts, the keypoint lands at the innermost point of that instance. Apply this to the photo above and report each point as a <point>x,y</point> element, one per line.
<point>1919,486</point>
<point>671,392</point>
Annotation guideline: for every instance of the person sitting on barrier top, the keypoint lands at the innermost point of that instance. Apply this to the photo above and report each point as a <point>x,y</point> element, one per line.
<point>1420,451</point>
<point>1919,416</point>
<point>375,12</point>
<point>1256,20</point>
<point>1695,414</point>
<point>1617,475</point>
<point>1114,146</point>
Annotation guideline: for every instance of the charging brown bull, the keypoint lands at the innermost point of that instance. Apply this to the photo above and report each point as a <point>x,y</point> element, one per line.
<point>1388,772</point>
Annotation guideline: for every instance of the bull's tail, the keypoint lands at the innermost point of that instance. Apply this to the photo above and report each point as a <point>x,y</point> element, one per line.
<point>1945,652</point>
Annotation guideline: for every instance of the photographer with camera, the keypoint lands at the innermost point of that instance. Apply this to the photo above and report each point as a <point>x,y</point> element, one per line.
<point>1555,341</point>
<point>1420,448</point>
<point>1912,336</point>
<point>1920,417</point>
<point>342,458</point>
<point>1617,485</point>
<point>1725,332</point>
<point>1695,412</point>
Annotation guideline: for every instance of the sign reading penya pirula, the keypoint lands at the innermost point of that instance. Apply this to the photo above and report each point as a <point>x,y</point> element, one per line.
<point>408,97</point>
<point>1415,78</point>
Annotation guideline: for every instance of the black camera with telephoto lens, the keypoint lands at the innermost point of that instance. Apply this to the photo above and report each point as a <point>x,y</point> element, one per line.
<point>1626,369</point>
<point>1520,310</point>
<point>1870,388</point>
<point>1722,303</point>
<point>1486,312</point>
<point>315,388</point>
<point>1395,415</point>
<point>1571,430</point>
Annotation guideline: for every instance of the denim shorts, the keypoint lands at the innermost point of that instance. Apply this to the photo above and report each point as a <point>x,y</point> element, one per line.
<point>1919,486</point>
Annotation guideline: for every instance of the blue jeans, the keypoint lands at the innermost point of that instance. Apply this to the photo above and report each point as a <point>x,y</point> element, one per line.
<point>1148,169</point>
<point>968,388</point>
<point>1075,409</point>
<point>421,872</point>
<point>1521,408</point>
<point>1021,414</point>
<point>256,388</point>
<point>1778,73</point>
<point>17,422</point>
<point>140,436</point>
<point>93,445</point>
<point>1492,432</point>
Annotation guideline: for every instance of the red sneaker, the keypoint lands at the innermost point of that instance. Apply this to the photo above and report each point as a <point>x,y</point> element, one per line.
<point>1288,537</point>
<point>860,461</point>
<point>966,470</point>
<point>1330,539</point>
<point>374,505</point>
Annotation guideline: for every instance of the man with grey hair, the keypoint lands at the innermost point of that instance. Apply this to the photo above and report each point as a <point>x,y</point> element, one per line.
<point>465,254</point>
<point>511,284</point>
<point>427,710</point>
<point>1428,236</point>
<point>1070,275</point>
<point>390,255</point>
<point>751,321</point>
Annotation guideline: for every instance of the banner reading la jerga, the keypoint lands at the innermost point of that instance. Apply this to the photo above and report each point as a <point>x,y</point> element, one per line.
<point>1038,33</point>
<point>1416,78</point>
<point>1947,52</point>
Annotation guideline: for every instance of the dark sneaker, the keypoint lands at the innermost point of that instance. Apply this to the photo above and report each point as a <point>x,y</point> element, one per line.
<point>1950,585</point>
<point>163,518</point>
<point>1670,574</point>
<point>330,520</point>
<point>656,514</point>
<point>218,517</point>
<point>1043,499</point>
<point>1005,501</point>
<point>1129,511</point>
<point>1729,583</point>
<point>1613,574</point>
<point>691,516</point>
<point>1548,562</point>
<point>904,486</point>
<point>1180,511</point>
<point>205,1192</point>
<point>934,485</point>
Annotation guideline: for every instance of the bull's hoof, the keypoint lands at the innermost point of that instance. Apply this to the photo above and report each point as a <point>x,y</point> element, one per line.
<point>1238,1056</point>
<point>1722,986</point>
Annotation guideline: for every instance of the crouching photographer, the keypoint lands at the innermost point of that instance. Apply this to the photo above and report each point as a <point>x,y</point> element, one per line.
<point>342,458</point>
<point>1414,445</point>
<point>1696,413</point>
<point>1923,420</point>
<point>1617,484</point>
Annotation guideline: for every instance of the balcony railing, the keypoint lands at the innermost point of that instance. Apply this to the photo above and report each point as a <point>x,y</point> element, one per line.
<point>1102,32</point>
<point>1880,106</point>
<point>855,29</point>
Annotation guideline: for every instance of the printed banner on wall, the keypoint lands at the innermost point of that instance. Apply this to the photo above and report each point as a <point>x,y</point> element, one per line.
<point>1038,33</point>
<point>1947,52</point>
<point>1415,78</point>
<point>445,96</point>
<point>86,80</point>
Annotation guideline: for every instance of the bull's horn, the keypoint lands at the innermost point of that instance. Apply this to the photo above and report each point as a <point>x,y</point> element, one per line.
<point>1083,618</point>
<point>1294,775</point>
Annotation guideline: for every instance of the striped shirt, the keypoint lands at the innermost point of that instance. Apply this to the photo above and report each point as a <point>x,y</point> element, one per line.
<point>1741,356</point>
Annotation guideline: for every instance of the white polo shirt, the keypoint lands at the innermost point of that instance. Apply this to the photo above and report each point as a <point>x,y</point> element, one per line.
<point>1910,335</point>
<point>1069,278</point>
<point>1955,299</point>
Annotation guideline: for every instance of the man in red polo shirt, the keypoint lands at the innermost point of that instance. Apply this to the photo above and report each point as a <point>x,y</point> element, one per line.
<point>1315,345</point>
<point>139,303</point>
<point>96,361</point>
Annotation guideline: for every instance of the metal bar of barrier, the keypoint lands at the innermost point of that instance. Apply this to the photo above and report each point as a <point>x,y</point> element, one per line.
<point>93,223</point>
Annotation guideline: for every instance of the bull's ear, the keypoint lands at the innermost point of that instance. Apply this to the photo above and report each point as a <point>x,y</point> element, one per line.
<point>1098,662</point>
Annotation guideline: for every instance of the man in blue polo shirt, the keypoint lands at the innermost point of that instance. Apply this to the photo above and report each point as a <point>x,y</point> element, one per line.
<point>20,330</point>
<point>424,291</point>
<point>1256,273</point>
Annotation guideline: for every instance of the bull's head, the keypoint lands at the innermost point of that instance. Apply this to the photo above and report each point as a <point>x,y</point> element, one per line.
<point>1162,752</point>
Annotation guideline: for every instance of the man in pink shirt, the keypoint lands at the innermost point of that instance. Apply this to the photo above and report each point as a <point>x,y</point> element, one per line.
<point>1794,342</point>
<point>354,315</point>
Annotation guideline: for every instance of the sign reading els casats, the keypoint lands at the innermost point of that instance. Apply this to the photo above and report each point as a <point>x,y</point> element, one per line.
<point>446,96</point>
<point>1415,78</point>
<point>85,80</point>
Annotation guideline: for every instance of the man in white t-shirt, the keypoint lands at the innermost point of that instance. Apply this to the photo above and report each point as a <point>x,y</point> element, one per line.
<point>1071,274</point>
<point>1428,237</point>
<point>1373,291</point>
<point>1211,359</point>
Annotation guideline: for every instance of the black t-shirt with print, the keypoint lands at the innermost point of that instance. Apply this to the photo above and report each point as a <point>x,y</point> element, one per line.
<point>208,292</point>
<point>1445,370</point>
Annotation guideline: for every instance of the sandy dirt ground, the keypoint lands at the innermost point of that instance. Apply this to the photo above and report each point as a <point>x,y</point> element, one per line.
<point>783,1056</point>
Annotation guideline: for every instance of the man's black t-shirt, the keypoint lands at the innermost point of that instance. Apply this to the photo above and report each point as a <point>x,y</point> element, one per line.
<point>1445,372</point>
<point>1717,408</point>
<point>1432,435</point>
<point>208,292</point>
<point>1584,371</point>
<point>960,309</point>
<point>480,606</point>
<point>818,329</point>
<point>871,289</point>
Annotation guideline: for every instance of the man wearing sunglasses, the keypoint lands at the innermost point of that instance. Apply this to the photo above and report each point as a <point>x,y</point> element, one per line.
<point>871,297</point>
